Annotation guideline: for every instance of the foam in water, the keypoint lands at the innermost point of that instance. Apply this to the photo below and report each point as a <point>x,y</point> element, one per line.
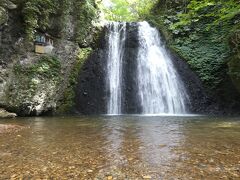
<point>159,86</point>
<point>117,35</point>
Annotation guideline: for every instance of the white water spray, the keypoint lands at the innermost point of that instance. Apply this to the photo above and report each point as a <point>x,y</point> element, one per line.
<point>117,36</point>
<point>161,91</point>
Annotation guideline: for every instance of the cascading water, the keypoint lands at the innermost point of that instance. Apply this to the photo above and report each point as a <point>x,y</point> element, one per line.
<point>117,35</point>
<point>160,89</point>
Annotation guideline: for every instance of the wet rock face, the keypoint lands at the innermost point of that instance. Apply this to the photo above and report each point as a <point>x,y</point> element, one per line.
<point>91,88</point>
<point>130,105</point>
<point>91,91</point>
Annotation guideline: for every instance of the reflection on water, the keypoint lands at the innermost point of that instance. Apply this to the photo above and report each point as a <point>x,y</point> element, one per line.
<point>122,147</point>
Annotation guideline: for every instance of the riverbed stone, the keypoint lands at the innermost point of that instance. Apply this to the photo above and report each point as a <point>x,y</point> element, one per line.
<point>10,128</point>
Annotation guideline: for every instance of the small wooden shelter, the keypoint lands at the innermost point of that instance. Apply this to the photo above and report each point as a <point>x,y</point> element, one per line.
<point>43,43</point>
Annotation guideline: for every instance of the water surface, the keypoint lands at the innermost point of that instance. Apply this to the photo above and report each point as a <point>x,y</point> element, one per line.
<point>122,147</point>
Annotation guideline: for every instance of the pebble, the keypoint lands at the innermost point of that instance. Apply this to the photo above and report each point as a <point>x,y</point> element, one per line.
<point>146,177</point>
<point>14,175</point>
<point>109,178</point>
<point>162,145</point>
<point>90,171</point>
<point>44,169</point>
<point>211,160</point>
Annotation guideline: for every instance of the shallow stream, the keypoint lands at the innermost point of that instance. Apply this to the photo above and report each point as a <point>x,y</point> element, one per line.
<point>122,147</point>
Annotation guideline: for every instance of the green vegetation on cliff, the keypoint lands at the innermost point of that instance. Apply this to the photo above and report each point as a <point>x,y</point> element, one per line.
<point>53,16</point>
<point>47,67</point>
<point>36,14</point>
<point>33,84</point>
<point>199,31</point>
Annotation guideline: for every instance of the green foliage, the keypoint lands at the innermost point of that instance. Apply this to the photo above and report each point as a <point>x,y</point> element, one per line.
<point>206,53</point>
<point>128,10</point>
<point>36,14</point>
<point>210,12</point>
<point>46,67</point>
<point>85,14</point>
<point>120,11</point>
<point>144,7</point>
<point>199,30</point>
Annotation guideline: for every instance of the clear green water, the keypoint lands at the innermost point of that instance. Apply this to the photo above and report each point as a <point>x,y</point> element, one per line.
<point>126,147</point>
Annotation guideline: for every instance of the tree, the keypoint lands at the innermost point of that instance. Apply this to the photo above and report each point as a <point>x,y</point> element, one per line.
<point>128,10</point>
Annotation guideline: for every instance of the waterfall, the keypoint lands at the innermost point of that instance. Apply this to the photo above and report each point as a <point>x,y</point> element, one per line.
<point>116,40</point>
<point>159,86</point>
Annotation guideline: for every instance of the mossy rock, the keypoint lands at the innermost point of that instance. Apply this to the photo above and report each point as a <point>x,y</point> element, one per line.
<point>33,88</point>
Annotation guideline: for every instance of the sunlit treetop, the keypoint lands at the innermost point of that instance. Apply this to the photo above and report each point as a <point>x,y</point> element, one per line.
<point>126,10</point>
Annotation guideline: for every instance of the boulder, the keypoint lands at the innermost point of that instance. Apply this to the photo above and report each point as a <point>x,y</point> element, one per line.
<point>5,114</point>
<point>3,16</point>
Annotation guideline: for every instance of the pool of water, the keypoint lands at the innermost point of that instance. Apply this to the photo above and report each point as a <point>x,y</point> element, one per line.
<point>122,147</point>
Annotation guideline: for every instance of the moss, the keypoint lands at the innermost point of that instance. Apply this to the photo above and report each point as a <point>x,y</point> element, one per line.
<point>86,12</point>
<point>46,67</point>
<point>68,100</point>
<point>27,80</point>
